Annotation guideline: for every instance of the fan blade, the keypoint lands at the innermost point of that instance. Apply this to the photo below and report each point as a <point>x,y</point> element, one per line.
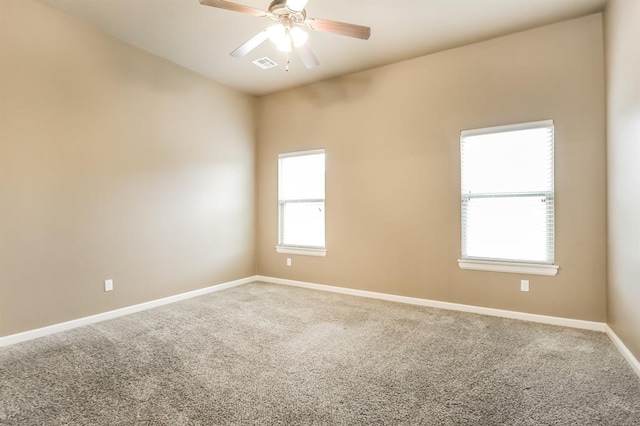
<point>235,7</point>
<point>251,44</point>
<point>308,58</point>
<point>296,5</point>
<point>350,30</point>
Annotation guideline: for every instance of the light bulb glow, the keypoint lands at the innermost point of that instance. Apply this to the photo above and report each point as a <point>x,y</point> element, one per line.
<point>277,34</point>
<point>284,45</point>
<point>299,36</point>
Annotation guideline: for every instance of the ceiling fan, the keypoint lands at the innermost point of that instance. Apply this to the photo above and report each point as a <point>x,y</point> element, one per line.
<point>287,34</point>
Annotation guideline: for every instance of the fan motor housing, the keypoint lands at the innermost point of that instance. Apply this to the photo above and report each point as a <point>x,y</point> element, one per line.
<point>278,10</point>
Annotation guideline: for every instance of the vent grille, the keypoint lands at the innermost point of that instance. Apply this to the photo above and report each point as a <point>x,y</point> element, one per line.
<point>265,63</point>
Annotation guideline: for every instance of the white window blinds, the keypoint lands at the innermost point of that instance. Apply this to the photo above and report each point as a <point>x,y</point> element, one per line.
<point>301,199</point>
<point>507,193</point>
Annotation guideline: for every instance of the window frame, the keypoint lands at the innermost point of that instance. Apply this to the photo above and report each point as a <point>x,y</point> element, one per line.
<point>304,250</point>
<point>506,265</point>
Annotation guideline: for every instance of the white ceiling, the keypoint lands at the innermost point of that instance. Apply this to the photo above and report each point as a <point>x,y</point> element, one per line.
<point>200,37</point>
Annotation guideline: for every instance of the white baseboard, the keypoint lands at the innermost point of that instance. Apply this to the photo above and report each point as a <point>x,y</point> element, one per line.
<point>68,325</point>
<point>626,353</point>
<point>566,322</point>
<point>544,319</point>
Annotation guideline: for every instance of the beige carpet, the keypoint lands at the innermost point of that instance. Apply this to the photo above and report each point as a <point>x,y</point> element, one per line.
<point>267,354</point>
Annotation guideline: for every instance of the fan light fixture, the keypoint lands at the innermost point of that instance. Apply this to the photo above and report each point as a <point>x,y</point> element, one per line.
<point>283,37</point>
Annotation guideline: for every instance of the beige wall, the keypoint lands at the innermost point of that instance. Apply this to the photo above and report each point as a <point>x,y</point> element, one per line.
<point>117,164</point>
<point>392,142</point>
<point>623,141</point>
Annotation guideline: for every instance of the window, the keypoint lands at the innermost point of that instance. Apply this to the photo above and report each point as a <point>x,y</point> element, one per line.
<point>508,198</point>
<point>301,203</point>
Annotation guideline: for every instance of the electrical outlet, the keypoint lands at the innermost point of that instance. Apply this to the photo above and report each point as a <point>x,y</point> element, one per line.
<point>524,285</point>
<point>108,285</point>
<point>288,261</point>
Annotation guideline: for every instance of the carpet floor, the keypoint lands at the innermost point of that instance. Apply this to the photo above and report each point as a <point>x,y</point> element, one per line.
<point>268,354</point>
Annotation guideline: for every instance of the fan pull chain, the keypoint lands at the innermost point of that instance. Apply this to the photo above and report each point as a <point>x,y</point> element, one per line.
<point>286,69</point>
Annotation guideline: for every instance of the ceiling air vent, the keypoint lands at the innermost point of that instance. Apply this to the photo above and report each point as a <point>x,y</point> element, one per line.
<point>265,63</point>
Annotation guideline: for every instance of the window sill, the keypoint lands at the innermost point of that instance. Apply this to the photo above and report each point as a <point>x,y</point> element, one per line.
<point>303,251</point>
<point>509,267</point>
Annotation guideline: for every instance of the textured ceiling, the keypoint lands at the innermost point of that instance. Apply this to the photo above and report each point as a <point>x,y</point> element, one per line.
<point>200,37</point>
